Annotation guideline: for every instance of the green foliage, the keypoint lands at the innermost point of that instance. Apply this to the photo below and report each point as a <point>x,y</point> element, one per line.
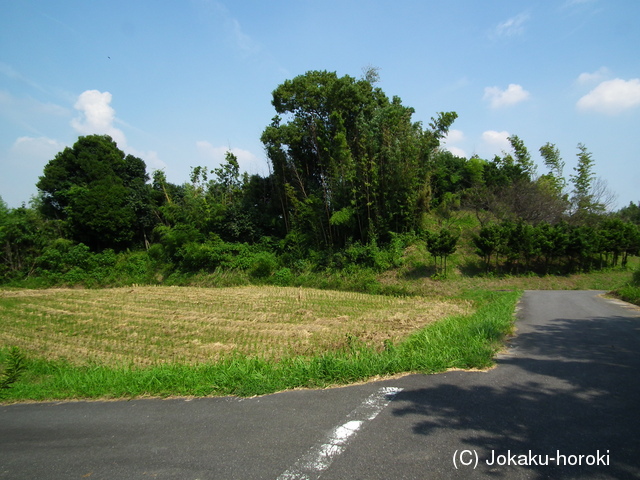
<point>64,262</point>
<point>99,192</point>
<point>23,235</point>
<point>553,161</point>
<point>263,265</point>
<point>488,242</point>
<point>284,277</point>
<point>441,245</point>
<point>349,164</point>
<point>522,157</point>
<point>354,178</point>
<point>630,213</point>
<point>584,204</point>
<point>13,369</point>
<point>212,254</point>
<point>562,246</point>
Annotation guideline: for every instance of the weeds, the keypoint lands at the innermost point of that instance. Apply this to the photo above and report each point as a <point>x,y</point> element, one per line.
<point>15,366</point>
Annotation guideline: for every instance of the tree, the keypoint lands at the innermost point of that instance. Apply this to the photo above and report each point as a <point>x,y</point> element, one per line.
<point>552,241</point>
<point>582,198</point>
<point>442,245</point>
<point>349,163</point>
<point>553,161</point>
<point>24,233</point>
<point>523,158</point>
<point>488,242</point>
<point>99,193</point>
<point>630,213</point>
<point>619,238</point>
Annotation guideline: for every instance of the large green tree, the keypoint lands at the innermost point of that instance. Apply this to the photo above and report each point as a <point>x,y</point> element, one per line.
<point>349,163</point>
<point>99,193</point>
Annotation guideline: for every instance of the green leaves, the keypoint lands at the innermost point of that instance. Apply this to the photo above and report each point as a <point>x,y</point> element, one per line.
<point>442,245</point>
<point>15,366</point>
<point>354,159</point>
<point>561,246</point>
<point>582,199</point>
<point>99,193</point>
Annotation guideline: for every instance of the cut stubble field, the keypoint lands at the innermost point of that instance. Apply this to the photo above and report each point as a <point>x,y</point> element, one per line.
<point>244,341</point>
<point>147,326</point>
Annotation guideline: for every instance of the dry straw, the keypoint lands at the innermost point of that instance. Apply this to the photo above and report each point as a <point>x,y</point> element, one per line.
<point>144,326</point>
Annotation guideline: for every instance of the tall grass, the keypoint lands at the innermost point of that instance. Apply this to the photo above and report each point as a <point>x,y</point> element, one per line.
<point>630,292</point>
<point>459,341</point>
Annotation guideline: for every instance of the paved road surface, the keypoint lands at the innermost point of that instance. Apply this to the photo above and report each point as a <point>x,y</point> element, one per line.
<point>567,386</point>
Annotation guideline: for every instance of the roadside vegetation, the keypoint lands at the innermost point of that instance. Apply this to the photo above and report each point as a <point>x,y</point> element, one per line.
<point>630,292</point>
<point>365,235</point>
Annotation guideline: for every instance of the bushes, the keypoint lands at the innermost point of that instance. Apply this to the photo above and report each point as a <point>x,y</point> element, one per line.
<point>263,265</point>
<point>370,255</point>
<point>64,262</point>
<point>441,245</point>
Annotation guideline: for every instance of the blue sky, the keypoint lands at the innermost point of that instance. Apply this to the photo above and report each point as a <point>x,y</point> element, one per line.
<point>178,83</point>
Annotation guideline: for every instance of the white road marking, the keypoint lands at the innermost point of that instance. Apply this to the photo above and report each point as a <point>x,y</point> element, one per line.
<point>320,456</point>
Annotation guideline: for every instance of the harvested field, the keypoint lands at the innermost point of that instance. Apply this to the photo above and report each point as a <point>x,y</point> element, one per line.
<point>143,326</point>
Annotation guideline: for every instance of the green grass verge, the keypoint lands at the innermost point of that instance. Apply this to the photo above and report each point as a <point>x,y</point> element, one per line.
<point>628,293</point>
<point>456,342</point>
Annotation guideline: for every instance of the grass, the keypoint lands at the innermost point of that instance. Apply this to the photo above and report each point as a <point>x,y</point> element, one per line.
<point>125,343</point>
<point>251,340</point>
<point>628,293</point>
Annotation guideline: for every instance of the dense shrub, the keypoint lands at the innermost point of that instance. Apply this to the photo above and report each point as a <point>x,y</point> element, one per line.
<point>69,263</point>
<point>263,265</point>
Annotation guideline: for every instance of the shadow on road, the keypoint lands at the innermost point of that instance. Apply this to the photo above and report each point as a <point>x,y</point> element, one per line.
<point>570,386</point>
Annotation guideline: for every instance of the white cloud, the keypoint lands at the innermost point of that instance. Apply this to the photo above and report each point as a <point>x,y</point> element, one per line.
<point>31,114</point>
<point>590,78</point>
<point>457,151</point>
<point>241,40</point>
<point>9,71</point>
<point>513,26</point>
<point>505,98</point>
<point>97,117</point>
<point>247,160</point>
<point>454,136</point>
<point>612,97</point>
<point>150,158</point>
<point>22,164</point>
<point>236,37</point>
<point>29,155</point>
<point>496,142</point>
<point>31,145</point>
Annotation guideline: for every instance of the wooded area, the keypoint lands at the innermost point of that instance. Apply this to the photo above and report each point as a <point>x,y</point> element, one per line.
<point>354,181</point>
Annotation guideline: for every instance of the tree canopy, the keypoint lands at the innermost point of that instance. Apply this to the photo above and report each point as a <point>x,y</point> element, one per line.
<point>353,176</point>
<point>349,163</point>
<point>99,193</point>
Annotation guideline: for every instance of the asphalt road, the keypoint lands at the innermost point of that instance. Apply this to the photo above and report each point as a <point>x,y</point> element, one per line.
<point>563,402</point>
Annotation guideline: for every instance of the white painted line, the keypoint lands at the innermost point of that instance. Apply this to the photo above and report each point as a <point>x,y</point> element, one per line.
<point>320,456</point>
